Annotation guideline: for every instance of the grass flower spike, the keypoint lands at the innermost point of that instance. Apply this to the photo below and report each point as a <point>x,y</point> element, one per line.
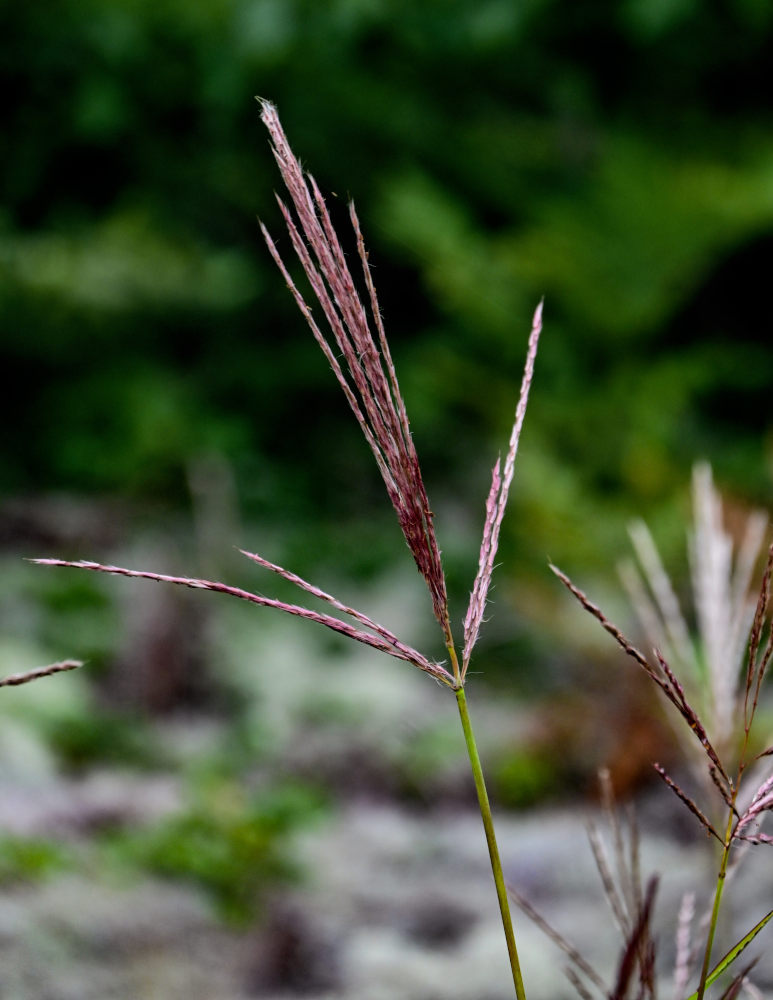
<point>356,349</point>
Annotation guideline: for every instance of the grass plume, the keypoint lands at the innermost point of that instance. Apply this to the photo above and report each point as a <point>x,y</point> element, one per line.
<point>356,348</point>
<point>496,504</point>
<point>369,381</point>
<point>717,705</point>
<point>710,663</point>
<point>730,690</point>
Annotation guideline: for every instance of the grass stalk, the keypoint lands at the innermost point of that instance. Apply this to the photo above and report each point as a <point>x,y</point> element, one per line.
<point>356,348</point>
<point>491,840</point>
<point>721,877</point>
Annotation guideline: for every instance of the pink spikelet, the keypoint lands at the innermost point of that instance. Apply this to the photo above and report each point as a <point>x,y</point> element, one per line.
<point>762,802</point>
<point>497,502</point>
<point>366,374</point>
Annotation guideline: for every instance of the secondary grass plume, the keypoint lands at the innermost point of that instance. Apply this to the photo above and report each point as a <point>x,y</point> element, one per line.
<point>724,741</point>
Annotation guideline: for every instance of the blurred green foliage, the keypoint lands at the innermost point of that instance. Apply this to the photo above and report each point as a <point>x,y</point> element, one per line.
<point>614,156</point>
<point>67,607</point>
<point>525,777</point>
<point>230,833</point>
<point>233,844</point>
<point>111,738</point>
<point>28,859</point>
<point>429,760</point>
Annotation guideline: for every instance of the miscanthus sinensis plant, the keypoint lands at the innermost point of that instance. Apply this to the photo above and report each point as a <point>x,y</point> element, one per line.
<point>356,348</point>
<point>353,340</point>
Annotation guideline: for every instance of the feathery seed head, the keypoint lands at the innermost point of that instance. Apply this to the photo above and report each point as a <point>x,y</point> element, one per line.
<point>356,349</point>
<point>367,374</point>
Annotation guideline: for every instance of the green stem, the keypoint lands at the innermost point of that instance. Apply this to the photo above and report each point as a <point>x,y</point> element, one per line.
<point>715,908</point>
<point>493,850</point>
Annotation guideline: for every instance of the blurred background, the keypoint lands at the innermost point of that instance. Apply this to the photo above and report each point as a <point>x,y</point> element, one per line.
<point>172,814</point>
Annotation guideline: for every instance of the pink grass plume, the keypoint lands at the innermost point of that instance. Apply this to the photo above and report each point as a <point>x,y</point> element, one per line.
<point>497,502</point>
<point>353,340</point>
<point>366,373</point>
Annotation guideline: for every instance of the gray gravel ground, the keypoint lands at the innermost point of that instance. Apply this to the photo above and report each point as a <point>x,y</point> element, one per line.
<point>395,907</point>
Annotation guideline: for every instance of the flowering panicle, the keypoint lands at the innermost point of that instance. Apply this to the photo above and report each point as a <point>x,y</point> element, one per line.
<point>369,382</point>
<point>356,349</point>
<point>729,622</point>
<point>724,605</point>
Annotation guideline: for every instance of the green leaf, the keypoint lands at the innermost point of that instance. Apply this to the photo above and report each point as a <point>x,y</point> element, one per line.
<point>733,954</point>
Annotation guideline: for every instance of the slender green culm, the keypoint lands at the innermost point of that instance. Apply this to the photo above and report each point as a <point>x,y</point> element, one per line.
<point>491,840</point>
<point>714,918</point>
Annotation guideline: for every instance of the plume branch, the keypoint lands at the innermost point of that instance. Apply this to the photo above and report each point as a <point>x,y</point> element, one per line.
<point>685,798</point>
<point>14,680</point>
<point>722,788</point>
<point>615,895</point>
<point>497,502</point>
<point>762,801</point>
<point>315,591</point>
<point>606,624</point>
<point>675,693</point>
<point>662,675</point>
<point>668,621</point>
<point>384,641</point>
<point>757,665</point>
<point>638,951</point>
<point>684,952</point>
<point>577,984</point>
